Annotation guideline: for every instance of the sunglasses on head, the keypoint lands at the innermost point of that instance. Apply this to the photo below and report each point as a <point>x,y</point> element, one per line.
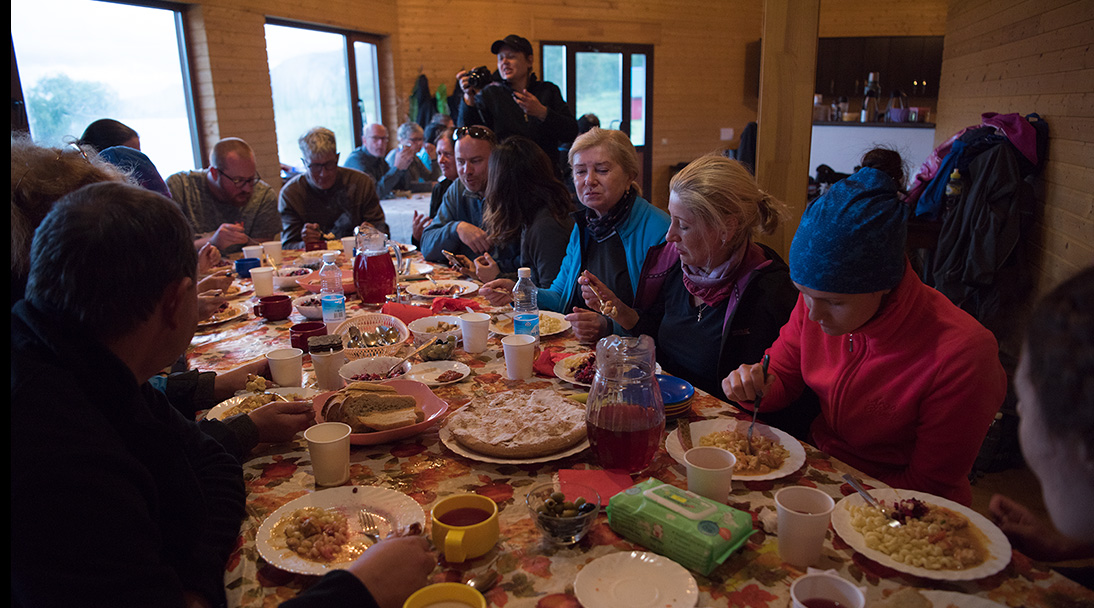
<point>475,133</point>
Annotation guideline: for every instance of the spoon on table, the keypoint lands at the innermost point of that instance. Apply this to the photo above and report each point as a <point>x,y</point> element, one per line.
<point>484,581</point>
<point>407,358</point>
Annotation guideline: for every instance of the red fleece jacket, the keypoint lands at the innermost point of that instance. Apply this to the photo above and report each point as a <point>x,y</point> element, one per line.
<point>907,398</point>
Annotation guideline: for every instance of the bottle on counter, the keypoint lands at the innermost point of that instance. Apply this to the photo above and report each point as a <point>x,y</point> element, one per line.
<point>331,294</point>
<point>820,111</point>
<point>525,305</point>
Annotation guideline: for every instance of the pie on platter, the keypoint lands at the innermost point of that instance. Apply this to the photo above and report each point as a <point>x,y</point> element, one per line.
<point>518,425</point>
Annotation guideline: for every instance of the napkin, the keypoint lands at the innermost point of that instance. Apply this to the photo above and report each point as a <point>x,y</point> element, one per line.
<point>441,305</point>
<point>606,483</point>
<point>545,363</point>
<point>406,312</point>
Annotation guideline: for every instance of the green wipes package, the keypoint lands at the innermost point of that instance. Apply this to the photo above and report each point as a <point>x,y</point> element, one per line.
<point>693,531</point>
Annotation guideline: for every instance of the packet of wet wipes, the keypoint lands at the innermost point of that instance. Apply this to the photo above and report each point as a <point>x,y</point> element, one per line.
<point>696,532</point>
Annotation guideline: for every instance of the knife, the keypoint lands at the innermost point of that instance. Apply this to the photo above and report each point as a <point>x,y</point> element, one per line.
<point>756,404</point>
<point>684,426</point>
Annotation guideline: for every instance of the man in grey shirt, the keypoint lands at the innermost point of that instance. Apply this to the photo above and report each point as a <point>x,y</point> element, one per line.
<point>227,204</point>
<point>326,200</point>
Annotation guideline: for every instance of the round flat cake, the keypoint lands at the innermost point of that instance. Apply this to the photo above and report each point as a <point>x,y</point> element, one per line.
<point>519,424</point>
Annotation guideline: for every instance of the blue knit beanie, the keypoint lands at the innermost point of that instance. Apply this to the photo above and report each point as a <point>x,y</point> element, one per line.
<point>851,239</point>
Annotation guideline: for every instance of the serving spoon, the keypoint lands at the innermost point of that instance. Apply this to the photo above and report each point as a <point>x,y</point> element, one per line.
<point>407,358</point>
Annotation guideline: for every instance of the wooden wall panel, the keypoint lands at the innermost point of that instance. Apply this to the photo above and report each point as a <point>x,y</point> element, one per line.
<point>1018,56</point>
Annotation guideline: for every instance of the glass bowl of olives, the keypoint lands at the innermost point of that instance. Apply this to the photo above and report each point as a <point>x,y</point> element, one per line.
<point>563,517</point>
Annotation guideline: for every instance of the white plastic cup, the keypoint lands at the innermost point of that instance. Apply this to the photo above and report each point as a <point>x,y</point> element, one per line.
<point>348,244</point>
<point>253,251</point>
<point>286,366</point>
<point>328,445</point>
<point>803,521</point>
<point>520,351</point>
<point>475,327</point>
<point>262,278</point>
<point>273,250</point>
<point>710,472</point>
<point>824,586</point>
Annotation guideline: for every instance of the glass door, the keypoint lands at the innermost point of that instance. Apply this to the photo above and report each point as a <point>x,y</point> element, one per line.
<point>610,81</point>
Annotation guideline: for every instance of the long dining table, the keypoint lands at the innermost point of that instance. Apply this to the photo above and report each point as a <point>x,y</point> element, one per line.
<point>534,572</point>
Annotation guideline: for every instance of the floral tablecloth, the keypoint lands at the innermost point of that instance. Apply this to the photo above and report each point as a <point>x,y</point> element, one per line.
<point>535,573</point>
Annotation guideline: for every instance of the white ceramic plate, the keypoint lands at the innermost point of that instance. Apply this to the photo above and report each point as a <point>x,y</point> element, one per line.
<point>292,393</point>
<point>451,443</point>
<point>504,324</point>
<point>702,428</point>
<point>942,599</point>
<point>427,372</point>
<point>405,248</point>
<point>417,270</point>
<point>422,289</point>
<point>392,511</point>
<point>996,543</point>
<point>234,311</point>
<point>638,580</point>
<point>565,368</point>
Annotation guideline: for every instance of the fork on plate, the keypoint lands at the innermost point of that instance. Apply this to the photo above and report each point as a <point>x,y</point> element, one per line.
<point>368,525</point>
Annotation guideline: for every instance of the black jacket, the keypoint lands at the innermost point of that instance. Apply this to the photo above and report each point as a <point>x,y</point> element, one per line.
<point>494,108</point>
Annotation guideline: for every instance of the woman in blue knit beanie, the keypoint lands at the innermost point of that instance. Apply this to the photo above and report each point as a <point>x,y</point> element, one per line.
<point>908,383</point>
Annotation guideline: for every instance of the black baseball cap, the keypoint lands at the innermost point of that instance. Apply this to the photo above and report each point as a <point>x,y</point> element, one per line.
<point>514,42</point>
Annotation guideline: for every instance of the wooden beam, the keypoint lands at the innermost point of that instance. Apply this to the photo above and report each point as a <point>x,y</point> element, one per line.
<point>785,119</point>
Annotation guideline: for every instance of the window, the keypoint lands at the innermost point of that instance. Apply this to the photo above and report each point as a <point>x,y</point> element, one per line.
<point>81,60</point>
<point>609,80</point>
<point>321,78</point>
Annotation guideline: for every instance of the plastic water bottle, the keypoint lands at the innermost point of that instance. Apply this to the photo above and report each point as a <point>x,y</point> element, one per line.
<point>526,315</point>
<point>331,294</point>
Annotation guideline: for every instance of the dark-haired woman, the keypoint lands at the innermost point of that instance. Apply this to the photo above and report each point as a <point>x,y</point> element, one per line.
<point>525,203</point>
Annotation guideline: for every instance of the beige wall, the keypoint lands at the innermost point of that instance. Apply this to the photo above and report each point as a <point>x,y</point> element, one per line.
<point>1014,56</point>
<point>699,58</point>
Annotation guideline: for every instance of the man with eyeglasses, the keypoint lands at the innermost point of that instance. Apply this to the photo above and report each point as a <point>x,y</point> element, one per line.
<point>326,200</point>
<point>457,227</point>
<point>369,159</point>
<point>520,104</point>
<point>228,204</point>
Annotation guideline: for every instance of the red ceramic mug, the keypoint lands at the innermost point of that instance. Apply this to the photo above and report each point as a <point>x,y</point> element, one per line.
<point>299,333</point>
<point>274,308</point>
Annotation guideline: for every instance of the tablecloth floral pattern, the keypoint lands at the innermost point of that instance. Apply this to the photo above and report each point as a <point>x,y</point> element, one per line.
<point>535,573</point>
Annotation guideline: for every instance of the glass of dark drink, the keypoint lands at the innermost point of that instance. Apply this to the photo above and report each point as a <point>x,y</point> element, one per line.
<point>625,416</point>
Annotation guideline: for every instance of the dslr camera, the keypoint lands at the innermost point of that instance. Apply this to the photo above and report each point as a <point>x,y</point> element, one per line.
<point>479,77</point>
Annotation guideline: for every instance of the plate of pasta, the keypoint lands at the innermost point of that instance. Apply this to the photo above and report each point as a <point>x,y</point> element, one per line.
<point>320,531</point>
<point>939,539</point>
<point>774,453</point>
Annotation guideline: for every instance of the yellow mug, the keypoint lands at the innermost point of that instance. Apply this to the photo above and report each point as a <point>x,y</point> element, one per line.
<point>465,526</point>
<point>447,595</point>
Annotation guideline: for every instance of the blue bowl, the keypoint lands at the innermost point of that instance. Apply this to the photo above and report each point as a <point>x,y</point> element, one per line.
<point>674,390</point>
<point>244,265</point>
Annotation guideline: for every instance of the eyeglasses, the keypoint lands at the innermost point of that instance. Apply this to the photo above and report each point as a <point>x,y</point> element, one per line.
<point>475,133</point>
<point>240,182</point>
<point>330,165</point>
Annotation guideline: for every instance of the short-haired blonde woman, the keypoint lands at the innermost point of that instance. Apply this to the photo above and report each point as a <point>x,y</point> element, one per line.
<point>710,282</point>
<point>610,237</point>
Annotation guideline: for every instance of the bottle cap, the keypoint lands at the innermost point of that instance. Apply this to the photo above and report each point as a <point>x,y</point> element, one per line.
<point>330,257</point>
<point>524,272</point>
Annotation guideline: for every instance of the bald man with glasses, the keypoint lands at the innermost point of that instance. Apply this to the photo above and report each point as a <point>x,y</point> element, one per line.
<point>228,204</point>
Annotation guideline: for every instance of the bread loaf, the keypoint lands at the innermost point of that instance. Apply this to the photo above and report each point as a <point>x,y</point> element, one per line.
<point>369,407</point>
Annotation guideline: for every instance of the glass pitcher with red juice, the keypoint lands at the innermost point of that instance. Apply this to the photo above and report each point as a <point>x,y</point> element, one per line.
<point>373,271</point>
<point>625,416</point>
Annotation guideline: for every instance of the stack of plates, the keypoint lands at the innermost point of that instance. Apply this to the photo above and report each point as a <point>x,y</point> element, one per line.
<point>676,394</point>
